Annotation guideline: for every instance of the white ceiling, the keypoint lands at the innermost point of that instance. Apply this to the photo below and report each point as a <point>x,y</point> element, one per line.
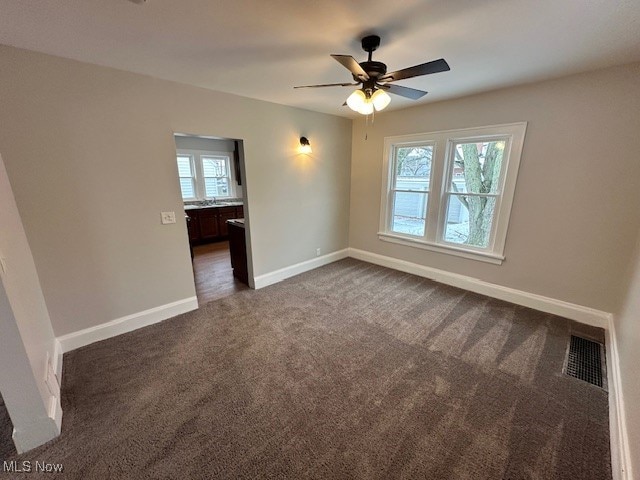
<point>261,49</point>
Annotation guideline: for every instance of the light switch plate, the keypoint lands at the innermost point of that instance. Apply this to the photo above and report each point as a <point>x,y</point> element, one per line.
<point>168,217</point>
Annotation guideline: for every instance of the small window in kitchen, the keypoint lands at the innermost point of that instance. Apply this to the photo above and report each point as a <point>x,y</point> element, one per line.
<point>205,175</point>
<point>216,174</point>
<point>187,177</point>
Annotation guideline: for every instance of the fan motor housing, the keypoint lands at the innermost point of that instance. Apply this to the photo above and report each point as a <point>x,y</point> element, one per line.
<point>373,69</point>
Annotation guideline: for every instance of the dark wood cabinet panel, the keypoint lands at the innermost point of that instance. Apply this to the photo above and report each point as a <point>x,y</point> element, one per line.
<point>193,226</point>
<point>209,228</point>
<point>238,250</point>
<point>226,213</point>
<point>210,224</point>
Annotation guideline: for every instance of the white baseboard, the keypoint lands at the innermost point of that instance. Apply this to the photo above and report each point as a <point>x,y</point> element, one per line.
<point>579,313</point>
<point>276,276</point>
<point>55,412</point>
<point>78,339</point>
<point>57,359</point>
<point>55,407</point>
<point>620,450</point>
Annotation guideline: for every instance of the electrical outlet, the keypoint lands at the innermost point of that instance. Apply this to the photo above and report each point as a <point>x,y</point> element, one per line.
<point>168,217</point>
<point>317,252</point>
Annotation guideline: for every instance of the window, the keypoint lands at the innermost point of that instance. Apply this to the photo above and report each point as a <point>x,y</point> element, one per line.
<point>215,170</point>
<point>451,191</point>
<point>187,177</point>
<point>205,175</point>
<point>410,189</point>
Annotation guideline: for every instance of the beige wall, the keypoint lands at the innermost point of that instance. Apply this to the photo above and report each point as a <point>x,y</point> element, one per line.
<point>575,213</point>
<point>90,153</point>
<point>199,143</point>
<point>627,324</point>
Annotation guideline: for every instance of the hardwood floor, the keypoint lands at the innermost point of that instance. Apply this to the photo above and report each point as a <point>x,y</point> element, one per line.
<point>213,273</point>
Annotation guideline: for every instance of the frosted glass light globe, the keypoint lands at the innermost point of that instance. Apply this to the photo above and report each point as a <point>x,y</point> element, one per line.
<point>356,100</point>
<point>380,100</point>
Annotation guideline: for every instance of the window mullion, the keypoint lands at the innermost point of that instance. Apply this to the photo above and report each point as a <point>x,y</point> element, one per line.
<point>436,187</point>
<point>197,176</point>
<point>386,214</point>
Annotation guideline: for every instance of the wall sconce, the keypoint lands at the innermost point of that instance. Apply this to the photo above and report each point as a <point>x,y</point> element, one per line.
<point>305,146</point>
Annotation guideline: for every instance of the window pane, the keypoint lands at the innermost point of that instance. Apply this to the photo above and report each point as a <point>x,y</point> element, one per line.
<point>186,185</point>
<point>216,187</point>
<point>214,166</point>
<point>413,167</point>
<point>184,166</point>
<point>409,212</point>
<point>476,167</point>
<point>469,220</point>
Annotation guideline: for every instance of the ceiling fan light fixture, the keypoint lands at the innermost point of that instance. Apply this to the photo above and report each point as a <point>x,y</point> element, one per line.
<point>376,82</point>
<point>366,108</point>
<point>364,103</point>
<point>380,100</point>
<point>357,100</point>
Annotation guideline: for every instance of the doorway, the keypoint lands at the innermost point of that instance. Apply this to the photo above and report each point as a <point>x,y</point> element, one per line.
<point>210,171</point>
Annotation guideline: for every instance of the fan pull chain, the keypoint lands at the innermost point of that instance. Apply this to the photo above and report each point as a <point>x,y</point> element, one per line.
<point>366,128</point>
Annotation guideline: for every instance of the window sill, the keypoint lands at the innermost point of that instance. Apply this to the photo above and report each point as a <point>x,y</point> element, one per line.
<point>457,251</point>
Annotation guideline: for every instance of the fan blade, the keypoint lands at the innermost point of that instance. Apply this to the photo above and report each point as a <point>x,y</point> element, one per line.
<point>406,92</point>
<point>352,65</point>
<point>329,85</point>
<point>435,66</point>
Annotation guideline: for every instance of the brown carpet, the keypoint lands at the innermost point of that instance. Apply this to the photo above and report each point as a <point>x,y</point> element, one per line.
<point>7,448</point>
<point>348,371</point>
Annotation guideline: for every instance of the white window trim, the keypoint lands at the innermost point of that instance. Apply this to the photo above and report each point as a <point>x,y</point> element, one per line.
<point>194,181</point>
<point>196,165</point>
<point>443,142</point>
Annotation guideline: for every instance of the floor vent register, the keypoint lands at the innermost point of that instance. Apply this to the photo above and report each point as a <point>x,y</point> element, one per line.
<point>585,361</point>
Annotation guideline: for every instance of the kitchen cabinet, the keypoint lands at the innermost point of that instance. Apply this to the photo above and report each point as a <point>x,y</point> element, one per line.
<point>209,224</point>
<point>192,225</point>
<point>227,214</point>
<point>238,250</point>
<point>209,229</point>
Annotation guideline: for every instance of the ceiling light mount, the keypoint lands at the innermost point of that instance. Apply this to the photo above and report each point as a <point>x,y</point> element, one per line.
<point>370,44</point>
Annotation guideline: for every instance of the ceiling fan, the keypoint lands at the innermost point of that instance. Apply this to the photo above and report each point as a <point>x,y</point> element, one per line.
<point>375,80</point>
